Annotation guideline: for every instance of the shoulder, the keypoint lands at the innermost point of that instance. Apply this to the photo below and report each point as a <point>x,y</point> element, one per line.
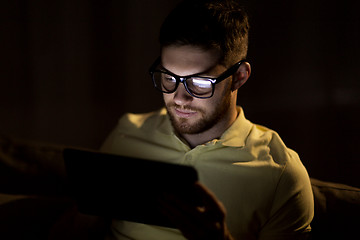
<point>146,131</point>
<point>266,144</point>
<point>142,121</point>
<point>292,202</point>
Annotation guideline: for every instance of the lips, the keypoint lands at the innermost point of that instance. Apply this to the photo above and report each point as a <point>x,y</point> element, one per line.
<point>185,113</point>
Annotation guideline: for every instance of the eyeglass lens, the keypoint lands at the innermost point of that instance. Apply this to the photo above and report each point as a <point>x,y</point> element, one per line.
<point>197,86</point>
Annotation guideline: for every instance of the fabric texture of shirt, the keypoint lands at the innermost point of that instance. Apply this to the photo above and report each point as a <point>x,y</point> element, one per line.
<point>263,184</point>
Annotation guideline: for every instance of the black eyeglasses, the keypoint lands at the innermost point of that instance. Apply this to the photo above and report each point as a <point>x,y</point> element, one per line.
<point>196,86</point>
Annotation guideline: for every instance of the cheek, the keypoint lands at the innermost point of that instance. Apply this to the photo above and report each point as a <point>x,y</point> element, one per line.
<point>225,89</point>
<point>168,99</point>
<point>212,104</point>
<point>221,95</point>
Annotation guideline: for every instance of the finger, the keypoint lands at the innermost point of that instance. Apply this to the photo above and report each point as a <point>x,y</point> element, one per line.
<point>177,215</point>
<point>206,205</point>
<point>194,222</point>
<point>196,216</point>
<point>210,201</point>
<point>173,203</point>
<point>189,226</point>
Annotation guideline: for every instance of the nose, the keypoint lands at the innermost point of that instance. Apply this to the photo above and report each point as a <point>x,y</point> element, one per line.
<point>181,96</point>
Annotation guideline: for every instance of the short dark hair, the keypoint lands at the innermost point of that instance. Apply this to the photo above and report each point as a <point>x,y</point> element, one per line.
<point>209,24</point>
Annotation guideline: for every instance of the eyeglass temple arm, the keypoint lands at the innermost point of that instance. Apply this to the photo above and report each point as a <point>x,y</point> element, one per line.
<point>230,71</point>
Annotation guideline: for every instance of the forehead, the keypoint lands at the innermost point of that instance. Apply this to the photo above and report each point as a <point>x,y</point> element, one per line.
<point>188,59</point>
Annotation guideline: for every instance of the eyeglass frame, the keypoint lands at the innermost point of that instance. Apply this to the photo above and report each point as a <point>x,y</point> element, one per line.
<point>182,79</point>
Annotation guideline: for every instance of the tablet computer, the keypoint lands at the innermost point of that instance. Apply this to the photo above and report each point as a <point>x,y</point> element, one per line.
<point>122,187</point>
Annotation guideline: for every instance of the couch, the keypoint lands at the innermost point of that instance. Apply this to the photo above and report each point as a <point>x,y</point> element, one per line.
<point>35,202</point>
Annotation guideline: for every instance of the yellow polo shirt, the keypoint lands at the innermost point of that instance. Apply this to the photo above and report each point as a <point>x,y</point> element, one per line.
<point>262,184</point>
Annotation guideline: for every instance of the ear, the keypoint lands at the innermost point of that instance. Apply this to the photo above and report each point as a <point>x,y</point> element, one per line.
<point>241,76</point>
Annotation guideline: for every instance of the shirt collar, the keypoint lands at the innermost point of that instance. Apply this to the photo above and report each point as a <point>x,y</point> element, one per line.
<point>236,134</point>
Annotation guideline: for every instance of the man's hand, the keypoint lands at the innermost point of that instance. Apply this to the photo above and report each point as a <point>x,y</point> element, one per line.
<point>204,220</point>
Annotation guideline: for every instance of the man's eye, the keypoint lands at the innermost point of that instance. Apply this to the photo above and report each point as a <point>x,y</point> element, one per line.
<point>169,78</point>
<point>201,83</point>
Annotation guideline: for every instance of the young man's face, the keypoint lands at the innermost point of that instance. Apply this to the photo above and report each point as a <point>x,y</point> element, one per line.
<point>190,115</point>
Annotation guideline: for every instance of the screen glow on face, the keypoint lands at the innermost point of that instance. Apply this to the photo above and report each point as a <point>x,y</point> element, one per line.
<point>199,86</point>
<point>196,86</point>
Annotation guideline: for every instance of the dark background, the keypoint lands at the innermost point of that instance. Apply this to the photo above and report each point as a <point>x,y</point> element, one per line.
<point>70,69</point>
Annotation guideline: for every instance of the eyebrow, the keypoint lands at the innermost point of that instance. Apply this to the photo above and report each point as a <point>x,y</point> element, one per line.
<point>207,71</point>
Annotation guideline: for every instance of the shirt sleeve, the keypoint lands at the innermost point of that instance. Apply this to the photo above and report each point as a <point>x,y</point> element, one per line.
<point>293,205</point>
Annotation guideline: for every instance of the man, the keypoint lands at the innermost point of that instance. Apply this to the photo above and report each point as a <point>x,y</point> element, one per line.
<point>251,186</point>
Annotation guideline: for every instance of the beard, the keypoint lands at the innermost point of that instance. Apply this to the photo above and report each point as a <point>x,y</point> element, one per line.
<point>207,119</point>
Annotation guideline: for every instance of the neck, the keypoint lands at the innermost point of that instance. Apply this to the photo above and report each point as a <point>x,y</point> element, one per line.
<point>214,132</point>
